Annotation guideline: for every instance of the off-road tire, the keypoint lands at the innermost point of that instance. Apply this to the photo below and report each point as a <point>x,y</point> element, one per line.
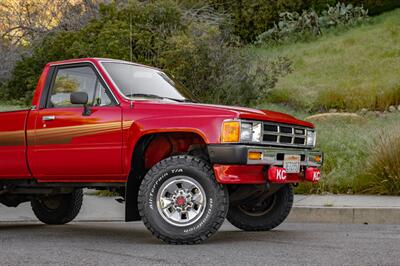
<point>273,217</point>
<point>216,199</point>
<point>68,207</point>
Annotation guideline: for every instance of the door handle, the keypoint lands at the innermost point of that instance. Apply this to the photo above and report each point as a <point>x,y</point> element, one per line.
<point>48,117</point>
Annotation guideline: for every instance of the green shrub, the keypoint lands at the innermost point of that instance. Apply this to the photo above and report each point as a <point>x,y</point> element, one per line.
<point>253,17</point>
<point>218,73</point>
<point>376,7</point>
<point>382,174</point>
<point>203,55</point>
<point>279,96</point>
<point>293,26</point>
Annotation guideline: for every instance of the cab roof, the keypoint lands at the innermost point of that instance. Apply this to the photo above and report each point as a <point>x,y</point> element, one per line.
<point>98,60</point>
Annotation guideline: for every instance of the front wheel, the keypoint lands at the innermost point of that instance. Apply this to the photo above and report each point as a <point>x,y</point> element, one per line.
<point>58,209</point>
<point>180,201</point>
<point>264,215</point>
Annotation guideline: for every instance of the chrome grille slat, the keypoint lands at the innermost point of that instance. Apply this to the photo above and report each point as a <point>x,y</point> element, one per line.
<point>284,134</point>
<point>272,135</point>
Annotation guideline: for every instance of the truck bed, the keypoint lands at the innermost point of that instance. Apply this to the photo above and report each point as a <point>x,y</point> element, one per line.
<point>13,161</point>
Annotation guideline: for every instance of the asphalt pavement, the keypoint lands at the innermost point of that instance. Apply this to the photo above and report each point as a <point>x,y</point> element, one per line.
<point>117,243</point>
<point>99,237</point>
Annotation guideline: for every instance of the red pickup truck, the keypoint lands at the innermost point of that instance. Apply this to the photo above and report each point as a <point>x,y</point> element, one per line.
<point>181,166</point>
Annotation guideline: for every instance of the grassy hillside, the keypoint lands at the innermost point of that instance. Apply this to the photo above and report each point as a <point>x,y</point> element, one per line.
<point>348,70</point>
<point>353,69</point>
<point>353,148</point>
<point>4,107</point>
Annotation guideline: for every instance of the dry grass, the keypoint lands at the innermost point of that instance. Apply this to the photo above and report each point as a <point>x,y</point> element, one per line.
<point>382,174</point>
<point>327,116</point>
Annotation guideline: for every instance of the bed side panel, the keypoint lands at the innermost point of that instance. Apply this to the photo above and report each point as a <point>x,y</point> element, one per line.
<point>13,164</point>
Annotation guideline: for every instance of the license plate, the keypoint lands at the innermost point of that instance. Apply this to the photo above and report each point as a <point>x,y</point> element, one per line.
<point>292,163</point>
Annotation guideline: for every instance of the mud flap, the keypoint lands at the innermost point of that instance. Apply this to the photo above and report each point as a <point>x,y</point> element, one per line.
<point>131,200</point>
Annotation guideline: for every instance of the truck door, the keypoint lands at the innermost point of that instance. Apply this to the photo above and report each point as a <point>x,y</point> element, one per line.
<point>66,145</point>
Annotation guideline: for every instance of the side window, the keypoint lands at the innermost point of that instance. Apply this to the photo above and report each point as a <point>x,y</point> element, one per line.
<point>101,97</point>
<point>74,79</point>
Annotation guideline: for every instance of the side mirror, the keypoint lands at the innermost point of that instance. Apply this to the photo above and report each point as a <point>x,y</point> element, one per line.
<point>81,97</point>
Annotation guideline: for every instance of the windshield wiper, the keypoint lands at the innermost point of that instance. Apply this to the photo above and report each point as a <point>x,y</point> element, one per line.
<point>156,97</point>
<point>185,101</point>
<point>144,95</point>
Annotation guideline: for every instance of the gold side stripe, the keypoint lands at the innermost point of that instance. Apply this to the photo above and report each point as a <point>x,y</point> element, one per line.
<point>12,138</point>
<point>59,135</point>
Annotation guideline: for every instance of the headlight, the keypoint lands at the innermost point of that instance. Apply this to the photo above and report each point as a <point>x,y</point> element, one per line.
<point>235,131</point>
<point>311,138</point>
<point>246,131</point>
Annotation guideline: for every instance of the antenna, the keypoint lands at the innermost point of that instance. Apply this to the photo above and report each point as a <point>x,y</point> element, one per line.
<point>130,34</point>
<point>131,49</point>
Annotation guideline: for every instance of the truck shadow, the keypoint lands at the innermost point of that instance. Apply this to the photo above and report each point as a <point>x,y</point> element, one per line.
<point>131,233</point>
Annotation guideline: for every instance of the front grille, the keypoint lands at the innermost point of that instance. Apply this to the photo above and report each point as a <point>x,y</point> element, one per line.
<point>270,138</point>
<point>284,135</point>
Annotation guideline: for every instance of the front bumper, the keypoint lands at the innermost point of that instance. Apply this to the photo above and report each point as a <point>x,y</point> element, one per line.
<point>238,155</point>
<point>232,164</point>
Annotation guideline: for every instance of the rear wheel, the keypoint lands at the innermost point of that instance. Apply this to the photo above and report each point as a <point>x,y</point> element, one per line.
<point>180,201</point>
<point>58,209</point>
<point>264,215</point>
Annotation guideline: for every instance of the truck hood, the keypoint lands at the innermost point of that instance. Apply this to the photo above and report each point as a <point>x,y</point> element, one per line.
<point>263,115</point>
<point>190,110</point>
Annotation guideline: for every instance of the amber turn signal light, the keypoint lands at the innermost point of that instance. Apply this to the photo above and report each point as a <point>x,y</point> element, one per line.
<point>318,158</point>
<point>255,155</point>
<point>230,131</point>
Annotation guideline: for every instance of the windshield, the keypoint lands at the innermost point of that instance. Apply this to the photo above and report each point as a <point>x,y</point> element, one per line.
<point>144,82</point>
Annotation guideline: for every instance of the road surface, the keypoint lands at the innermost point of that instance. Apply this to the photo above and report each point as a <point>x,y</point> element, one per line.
<point>118,243</point>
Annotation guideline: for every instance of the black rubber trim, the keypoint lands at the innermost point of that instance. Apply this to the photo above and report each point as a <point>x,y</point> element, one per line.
<point>46,88</point>
<point>228,154</point>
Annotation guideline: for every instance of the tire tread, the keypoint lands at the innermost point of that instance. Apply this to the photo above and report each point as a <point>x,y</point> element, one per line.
<point>276,221</point>
<point>64,216</point>
<point>187,161</point>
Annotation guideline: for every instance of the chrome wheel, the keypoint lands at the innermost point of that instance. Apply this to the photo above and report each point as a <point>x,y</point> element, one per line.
<point>181,201</point>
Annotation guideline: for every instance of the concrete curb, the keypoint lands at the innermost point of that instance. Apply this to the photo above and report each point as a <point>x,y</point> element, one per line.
<point>349,209</point>
<point>345,215</point>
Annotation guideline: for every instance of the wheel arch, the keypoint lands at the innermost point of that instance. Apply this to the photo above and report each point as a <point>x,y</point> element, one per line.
<point>153,147</point>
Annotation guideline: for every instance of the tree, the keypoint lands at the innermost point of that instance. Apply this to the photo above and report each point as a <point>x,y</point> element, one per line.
<point>24,23</point>
<point>196,47</point>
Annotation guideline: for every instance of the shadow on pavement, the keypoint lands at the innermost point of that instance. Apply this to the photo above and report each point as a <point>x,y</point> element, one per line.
<point>134,233</point>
